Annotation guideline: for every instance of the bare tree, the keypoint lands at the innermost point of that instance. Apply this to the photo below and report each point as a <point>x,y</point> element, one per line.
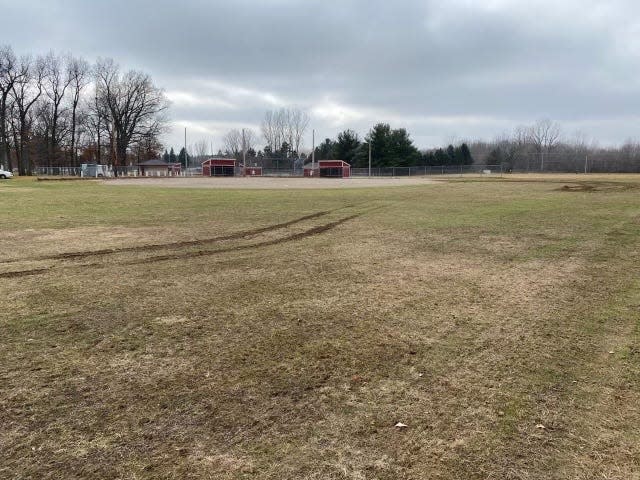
<point>233,142</point>
<point>25,92</point>
<point>200,149</point>
<point>298,121</point>
<point>285,125</point>
<point>135,106</point>
<point>269,128</point>
<point>91,121</point>
<point>250,139</point>
<point>544,135</point>
<point>275,128</point>
<point>56,82</point>
<point>79,75</point>
<point>9,74</point>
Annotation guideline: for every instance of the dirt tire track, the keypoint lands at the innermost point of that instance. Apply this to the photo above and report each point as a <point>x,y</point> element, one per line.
<point>186,243</point>
<point>290,238</point>
<point>201,253</point>
<point>24,273</point>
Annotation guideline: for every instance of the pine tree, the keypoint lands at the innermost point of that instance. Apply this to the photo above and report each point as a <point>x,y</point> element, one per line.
<point>346,147</point>
<point>451,155</point>
<point>183,157</point>
<point>465,154</point>
<point>389,148</point>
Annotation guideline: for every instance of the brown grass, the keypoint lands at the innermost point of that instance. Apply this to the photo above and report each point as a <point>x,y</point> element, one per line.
<point>473,312</point>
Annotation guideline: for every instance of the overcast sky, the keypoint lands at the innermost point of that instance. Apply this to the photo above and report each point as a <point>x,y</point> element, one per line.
<point>442,69</point>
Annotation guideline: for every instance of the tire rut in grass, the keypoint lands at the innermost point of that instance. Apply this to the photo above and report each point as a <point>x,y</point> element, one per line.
<point>23,273</point>
<point>187,243</point>
<point>289,238</point>
<point>319,229</point>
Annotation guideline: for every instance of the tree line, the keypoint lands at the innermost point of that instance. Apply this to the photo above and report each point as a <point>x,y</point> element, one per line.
<point>283,131</point>
<point>388,147</point>
<point>544,146</point>
<point>60,110</point>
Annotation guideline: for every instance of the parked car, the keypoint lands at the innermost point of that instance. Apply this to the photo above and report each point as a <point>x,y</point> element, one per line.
<point>5,174</point>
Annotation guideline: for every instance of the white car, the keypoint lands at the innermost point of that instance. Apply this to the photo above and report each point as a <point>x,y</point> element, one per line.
<point>5,174</point>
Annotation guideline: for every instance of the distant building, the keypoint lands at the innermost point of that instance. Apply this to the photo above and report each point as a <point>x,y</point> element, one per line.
<point>219,167</point>
<point>159,168</point>
<point>329,168</point>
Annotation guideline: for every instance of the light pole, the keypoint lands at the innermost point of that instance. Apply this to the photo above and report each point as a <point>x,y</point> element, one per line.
<point>313,150</point>
<point>244,155</point>
<point>369,157</point>
<point>186,159</point>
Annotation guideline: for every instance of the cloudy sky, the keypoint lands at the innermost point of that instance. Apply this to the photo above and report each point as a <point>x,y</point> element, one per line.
<point>442,69</point>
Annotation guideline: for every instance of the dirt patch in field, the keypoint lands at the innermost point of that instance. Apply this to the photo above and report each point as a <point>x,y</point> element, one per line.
<point>599,187</point>
<point>581,187</point>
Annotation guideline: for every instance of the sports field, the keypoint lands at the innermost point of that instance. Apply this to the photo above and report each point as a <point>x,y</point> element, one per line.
<point>153,332</point>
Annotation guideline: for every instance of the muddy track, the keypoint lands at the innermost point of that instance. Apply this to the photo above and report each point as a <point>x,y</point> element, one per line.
<point>598,187</point>
<point>186,243</point>
<point>201,253</point>
<point>290,238</point>
<point>24,273</point>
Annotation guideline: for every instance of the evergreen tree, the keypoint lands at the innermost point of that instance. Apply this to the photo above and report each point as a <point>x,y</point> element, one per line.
<point>495,157</point>
<point>451,155</point>
<point>285,150</point>
<point>402,152</point>
<point>440,157</point>
<point>172,156</point>
<point>389,148</point>
<point>465,154</point>
<point>428,158</point>
<point>346,147</point>
<point>183,157</point>
<point>165,156</point>
<point>324,151</point>
<point>378,137</point>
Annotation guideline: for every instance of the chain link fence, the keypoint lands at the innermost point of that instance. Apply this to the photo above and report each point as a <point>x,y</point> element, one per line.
<point>427,170</point>
<point>291,169</point>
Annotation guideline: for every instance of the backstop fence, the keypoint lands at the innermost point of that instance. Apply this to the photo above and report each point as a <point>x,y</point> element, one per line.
<point>587,165</point>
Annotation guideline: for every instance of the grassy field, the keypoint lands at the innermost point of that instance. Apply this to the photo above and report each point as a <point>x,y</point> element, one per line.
<point>150,332</point>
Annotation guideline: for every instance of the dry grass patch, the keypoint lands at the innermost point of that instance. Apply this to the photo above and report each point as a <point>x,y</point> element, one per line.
<point>474,313</point>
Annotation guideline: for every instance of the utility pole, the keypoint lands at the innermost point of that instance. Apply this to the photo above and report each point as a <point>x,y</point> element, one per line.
<point>369,157</point>
<point>244,155</point>
<point>313,150</point>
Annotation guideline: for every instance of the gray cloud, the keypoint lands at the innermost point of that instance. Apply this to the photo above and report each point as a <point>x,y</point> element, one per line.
<point>441,69</point>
